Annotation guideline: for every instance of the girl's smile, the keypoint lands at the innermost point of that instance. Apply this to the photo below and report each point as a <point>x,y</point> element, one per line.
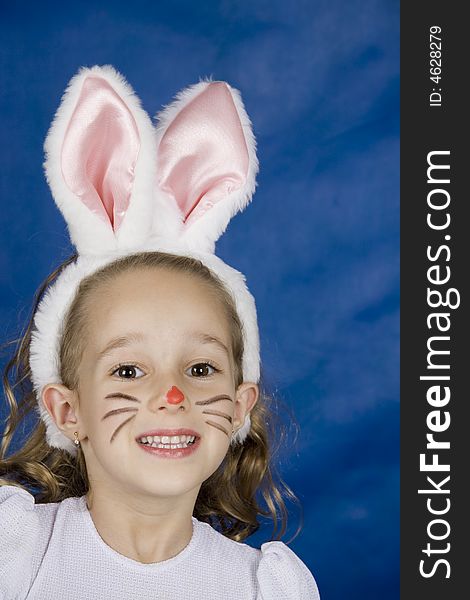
<point>173,452</point>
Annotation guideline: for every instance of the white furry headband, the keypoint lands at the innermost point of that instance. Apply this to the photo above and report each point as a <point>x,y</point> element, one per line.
<point>124,186</point>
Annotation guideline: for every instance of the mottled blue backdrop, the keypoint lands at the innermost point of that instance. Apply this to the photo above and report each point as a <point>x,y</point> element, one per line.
<point>319,244</point>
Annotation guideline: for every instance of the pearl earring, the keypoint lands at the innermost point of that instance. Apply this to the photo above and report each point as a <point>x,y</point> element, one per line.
<point>76,440</point>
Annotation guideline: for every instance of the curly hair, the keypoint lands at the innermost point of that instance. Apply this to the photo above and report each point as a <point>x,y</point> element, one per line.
<point>229,499</point>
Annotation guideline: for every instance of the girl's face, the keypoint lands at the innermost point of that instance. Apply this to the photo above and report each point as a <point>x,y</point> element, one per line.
<point>151,330</point>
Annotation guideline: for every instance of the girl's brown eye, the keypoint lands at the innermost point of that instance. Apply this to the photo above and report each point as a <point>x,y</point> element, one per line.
<point>126,371</point>
<point>202,370</point>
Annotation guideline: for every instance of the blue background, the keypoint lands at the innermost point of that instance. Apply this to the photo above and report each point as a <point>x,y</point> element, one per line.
<point>319,244</point>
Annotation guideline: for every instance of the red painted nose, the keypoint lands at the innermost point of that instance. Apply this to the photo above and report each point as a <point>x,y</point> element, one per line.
<point>174,395</point>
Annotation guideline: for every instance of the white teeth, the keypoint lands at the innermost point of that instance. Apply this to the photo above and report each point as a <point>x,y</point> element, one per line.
<point>169,446</point>
<point>174,441</point>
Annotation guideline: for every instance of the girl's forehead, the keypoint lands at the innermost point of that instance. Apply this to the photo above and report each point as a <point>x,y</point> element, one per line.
<point>153,302</point>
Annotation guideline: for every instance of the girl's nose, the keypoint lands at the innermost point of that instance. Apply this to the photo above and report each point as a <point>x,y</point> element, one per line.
<point>174,395</point>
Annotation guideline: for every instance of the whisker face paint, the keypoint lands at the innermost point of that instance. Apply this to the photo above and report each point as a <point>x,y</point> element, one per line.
<point>214,399</point>
<point>218,414</point>
<point>217,426</point>
<point>122,396</point>
<point>116,431</point>
<point>116,411</point>
<point>173,396</point>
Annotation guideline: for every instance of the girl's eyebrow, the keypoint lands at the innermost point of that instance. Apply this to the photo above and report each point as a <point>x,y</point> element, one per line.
<point>121,342</point>
<point>205,338</point>
<point>133,337</point>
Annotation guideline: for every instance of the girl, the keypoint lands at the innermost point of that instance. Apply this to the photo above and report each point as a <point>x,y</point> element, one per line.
<point>143,354</point>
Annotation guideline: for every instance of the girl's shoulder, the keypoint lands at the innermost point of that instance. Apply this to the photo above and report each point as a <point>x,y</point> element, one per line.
<point>24,529</point>
<point>282,574</point>
<point>278,572</point>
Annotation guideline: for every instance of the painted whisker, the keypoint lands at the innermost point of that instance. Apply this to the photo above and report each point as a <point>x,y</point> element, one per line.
<point>214,399</point>
<point>218,413</point>
<point>117,411</point>
<point>119,427</point>
<point>121,395</point>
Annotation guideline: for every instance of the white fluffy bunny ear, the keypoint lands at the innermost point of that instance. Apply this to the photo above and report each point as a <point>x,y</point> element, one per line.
<point>206,160</point>
<point>100,162</point>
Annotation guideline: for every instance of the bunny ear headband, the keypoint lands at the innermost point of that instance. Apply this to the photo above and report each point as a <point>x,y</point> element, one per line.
<point>124,187</point>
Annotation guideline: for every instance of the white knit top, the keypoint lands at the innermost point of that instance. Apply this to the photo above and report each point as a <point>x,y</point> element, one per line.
<point>53,551</point>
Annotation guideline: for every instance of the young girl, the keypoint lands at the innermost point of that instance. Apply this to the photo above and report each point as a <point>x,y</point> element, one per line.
<point>152,439</point>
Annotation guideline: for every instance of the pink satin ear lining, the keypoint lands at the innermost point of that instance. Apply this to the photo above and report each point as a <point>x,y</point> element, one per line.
<point>203,156</point>
<point>100,151</point>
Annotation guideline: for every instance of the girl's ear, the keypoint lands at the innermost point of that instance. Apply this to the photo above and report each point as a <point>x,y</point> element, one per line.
<point>246,397</point>
<point>59,402</point>
<point>100,161</point>
<point>206,160</point>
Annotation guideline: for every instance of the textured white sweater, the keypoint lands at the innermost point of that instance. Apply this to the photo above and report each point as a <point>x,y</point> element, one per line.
<point>54,552</point>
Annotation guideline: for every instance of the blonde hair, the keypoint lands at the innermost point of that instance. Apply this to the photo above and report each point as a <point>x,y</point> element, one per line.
<point>227,499</point>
